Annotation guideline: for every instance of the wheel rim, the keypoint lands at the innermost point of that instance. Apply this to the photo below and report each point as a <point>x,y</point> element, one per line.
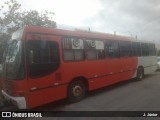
<point>77,91</point>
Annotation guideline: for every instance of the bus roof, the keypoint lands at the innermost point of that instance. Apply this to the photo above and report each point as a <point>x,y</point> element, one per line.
<point>82,34</point>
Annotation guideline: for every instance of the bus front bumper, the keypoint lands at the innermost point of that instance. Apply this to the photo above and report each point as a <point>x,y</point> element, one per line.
<point>20,102</point>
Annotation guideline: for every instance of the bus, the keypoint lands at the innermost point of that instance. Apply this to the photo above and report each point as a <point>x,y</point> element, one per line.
<point>42,65</point>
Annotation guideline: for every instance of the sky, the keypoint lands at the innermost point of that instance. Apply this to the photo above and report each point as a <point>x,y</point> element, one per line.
<point>133,18</point>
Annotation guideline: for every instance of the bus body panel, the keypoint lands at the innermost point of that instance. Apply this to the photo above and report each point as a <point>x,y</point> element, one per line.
<point>98,75</point>
<point>47,95</point>
<point>148,63</point>
<point>44,89</point>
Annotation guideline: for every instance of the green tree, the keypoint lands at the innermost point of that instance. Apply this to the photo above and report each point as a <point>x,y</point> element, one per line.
<point>12,17</point>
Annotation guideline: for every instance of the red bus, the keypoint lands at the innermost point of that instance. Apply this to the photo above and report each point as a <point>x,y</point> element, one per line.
<point>42,65</point>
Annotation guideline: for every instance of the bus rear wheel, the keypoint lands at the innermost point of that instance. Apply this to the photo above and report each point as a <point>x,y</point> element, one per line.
<point>140,73</point>
<point>76,91</point>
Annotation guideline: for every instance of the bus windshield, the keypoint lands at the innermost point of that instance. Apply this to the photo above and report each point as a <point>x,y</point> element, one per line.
<point>13,61</point>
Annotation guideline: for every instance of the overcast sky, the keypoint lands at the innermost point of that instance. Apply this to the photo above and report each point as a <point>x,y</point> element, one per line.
<point>126,17</point>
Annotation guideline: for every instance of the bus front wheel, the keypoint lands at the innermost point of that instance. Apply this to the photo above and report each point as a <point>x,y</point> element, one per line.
<point>76,91</point>
<point>140,73</point>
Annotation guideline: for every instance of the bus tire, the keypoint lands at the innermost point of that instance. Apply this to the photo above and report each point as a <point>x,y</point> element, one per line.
<point>76,91</point>
<point>140,73</point>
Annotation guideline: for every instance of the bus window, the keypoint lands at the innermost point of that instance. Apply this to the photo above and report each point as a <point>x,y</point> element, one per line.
<point>79,54</point>
<point>13,61</point>
<point>112,49</point>
<point>72,49</point>
<point>95,49</point>
<point>125,49</point>
<point>152,51</point>
<point>136,49</point>
<point>43,57</point>
<point>145,49</point>
<point>101,54</point>
<point>91,54</point>
<point>68,55</point>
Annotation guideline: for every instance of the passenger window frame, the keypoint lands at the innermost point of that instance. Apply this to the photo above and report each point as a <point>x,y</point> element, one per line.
<point>42,69</point>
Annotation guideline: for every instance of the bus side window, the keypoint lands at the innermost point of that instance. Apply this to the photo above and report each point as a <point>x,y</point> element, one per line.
<point>145,49</point>
<point>101,54</point>
<point>72,49</point>
<point>125,49</point>
<point>152,51</point>
<point>73,55</point>
<point>91,54</point>
<point>68,55</point>
<point>79,54</point>
<point>43,57</point>
<point>136,49</point>
<point>95,49</point>
<point>112,49</point>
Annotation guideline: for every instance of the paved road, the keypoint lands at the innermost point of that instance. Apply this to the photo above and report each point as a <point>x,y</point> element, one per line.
<point>127,96</point>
